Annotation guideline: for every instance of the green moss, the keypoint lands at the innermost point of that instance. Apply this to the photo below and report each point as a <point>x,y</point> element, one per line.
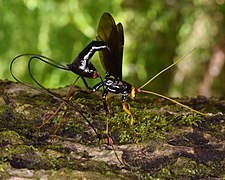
<point>191,120</point>
<point>148,123</point>
<point>10,137</point>
<point>11,144</point>
<point>152,119</point>
<point>157,125</point>
<point>14,150</point>
<point>185,167</point>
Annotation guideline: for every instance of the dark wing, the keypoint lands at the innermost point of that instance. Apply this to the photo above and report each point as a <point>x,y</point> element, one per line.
<point>113,35</point>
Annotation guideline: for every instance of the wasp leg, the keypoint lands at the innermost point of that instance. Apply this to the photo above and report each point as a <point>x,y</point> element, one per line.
<point>106,107</point>
<point>58,126</point>
<point>127,110</point>
<point>94,89</point>
<point>52,116</point>
<point>85,83</point>
<point>57,111</point>
<point>61,105</point>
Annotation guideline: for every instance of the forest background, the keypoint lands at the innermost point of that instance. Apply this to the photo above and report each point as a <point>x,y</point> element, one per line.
<point>156,33</point>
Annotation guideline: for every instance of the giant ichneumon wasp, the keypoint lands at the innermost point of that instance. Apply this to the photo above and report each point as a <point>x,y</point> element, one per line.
<point>110,43</point>
<point>112,35</point>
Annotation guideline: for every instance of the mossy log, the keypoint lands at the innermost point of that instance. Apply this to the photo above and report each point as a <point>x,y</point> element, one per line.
<point>166,141</point>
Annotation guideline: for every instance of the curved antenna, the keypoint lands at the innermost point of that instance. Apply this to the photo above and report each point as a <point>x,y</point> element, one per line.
<point>46,91</point>
<point>172,100</point>
<point>177,61</point>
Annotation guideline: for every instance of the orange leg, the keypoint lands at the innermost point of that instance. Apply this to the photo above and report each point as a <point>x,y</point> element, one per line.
<point>58,126</point>
<point>127,110</point>
<point>56,112</point>
<point>109,140</point>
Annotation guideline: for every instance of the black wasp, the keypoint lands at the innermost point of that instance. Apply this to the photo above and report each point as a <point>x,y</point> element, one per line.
<point>112,35</point>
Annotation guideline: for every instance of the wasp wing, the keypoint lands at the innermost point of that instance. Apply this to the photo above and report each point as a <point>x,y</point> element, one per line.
<point>113,35</point>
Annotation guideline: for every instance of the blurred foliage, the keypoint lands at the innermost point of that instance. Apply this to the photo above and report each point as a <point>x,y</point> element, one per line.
<point>156,32</point>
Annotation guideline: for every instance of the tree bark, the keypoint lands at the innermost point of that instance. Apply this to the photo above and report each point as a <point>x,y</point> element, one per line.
<point>166,140</point>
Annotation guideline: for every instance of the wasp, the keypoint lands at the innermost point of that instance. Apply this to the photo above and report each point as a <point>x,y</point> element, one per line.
<point>110,44</point>
<point>112,35</point>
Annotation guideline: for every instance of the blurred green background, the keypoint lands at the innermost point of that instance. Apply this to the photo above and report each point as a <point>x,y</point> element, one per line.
<point>156,32</point>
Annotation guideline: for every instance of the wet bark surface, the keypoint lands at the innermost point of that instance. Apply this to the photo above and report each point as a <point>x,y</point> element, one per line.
<point>166,141</point>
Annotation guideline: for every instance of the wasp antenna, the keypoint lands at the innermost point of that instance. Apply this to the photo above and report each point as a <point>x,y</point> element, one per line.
<point>177,61</point>
<point>172,100</point>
